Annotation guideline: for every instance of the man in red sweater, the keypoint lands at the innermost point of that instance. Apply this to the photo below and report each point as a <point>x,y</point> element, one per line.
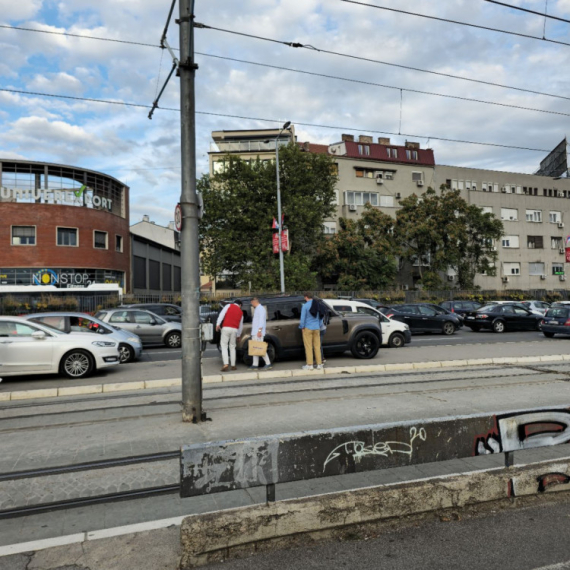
<point>230,322</point>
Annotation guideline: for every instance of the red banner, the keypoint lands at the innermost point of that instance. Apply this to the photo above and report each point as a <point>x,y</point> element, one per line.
<point>284,241</point>
<point>568,255</point>
<point>276,242</point>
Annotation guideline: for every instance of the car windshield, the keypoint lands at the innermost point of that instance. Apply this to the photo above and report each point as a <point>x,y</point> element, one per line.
<point>558,312</point>
<point>490,307</point>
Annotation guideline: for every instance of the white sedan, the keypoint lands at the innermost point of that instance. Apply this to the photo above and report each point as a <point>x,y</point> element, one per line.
<point>30,348</point>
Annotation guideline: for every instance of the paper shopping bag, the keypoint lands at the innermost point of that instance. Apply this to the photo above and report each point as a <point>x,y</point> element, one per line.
<point>257,348</point>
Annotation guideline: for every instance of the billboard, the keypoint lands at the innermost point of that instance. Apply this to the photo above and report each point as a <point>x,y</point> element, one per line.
<point>556,163</point>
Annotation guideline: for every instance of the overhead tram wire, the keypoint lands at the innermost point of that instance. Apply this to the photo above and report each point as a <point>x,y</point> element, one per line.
<point>203,26</point>
<point>333,127</point>
<point>384,86</point>
<point>528,11</point>
<point>380,62</point>
<point>457,22</point>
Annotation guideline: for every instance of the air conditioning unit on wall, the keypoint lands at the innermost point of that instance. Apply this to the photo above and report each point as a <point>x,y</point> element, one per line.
<point>561,250</point>
<point>352,208</point>
<point>543,277</point>
<point>505,279</point>
<point>450,277</point>
<point>379,181</point>
<point>560,225</point>
<point>420,182</point>
<point>562,277</point>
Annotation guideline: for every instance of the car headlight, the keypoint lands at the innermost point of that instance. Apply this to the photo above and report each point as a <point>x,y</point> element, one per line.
<point>406,327</point>
<point>134,339</point>
<point>104,344</point>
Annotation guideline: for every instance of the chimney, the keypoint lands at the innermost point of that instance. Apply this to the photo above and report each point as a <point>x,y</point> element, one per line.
<point>348,138</point>
<point>384,141</point>
<point>365,139</point>
<point>307,146</point>
<point>171,225</point>
<point>146,218</point>
<point>414,145</point>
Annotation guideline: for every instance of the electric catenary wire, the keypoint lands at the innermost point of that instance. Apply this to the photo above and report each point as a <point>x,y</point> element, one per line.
<point>457,22</point>
<point>380,62</point>
<point>543,14</point>
<point>265,120</point>
<point>521,89</point>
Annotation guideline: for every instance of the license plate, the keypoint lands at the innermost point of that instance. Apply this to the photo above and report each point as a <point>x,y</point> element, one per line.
<point>470,318</point>
<point>552,323</point>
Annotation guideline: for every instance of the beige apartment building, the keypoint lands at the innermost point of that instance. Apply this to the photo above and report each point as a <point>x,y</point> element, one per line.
<point>533,208</point>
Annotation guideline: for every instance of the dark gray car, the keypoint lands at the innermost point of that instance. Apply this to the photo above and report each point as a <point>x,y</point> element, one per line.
<point>149,327</point>
<point>166,311</point>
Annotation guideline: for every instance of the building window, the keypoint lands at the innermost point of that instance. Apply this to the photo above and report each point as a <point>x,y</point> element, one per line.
<point>417,176</point>
<point>334,201</point>
<point>556,242</point>
<point>512,268</point>
<point>67,237</point>
<point>219,166</point>
<point>557,269</point>
<point>361,198</point>
<point>486,209</point>
<point>510,241</point>
<point>99,240</point>
<point>177,278</point>
<point>509,214</point>
<point>536,268</point>
<point>555,217</point>
<point>386,201</point>
<point>153,275</point>
<point>329,228</point>
<point>23,235</point>
<point>119,244</point>
<point>364,149</point>
<point>392,153</point>
<point>166,277</point>
<point>534,215</point>
<point>334,169</point>
<point>535,242</point>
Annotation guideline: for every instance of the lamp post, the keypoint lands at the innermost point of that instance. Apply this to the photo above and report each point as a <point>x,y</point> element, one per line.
<point>279,218</point>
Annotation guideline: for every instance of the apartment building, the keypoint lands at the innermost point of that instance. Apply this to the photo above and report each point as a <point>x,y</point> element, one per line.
<point>534,209</point>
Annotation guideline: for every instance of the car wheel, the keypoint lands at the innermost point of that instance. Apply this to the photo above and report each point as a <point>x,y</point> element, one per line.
<point>173,340</point>
<point>365,345</point>
<point>548,335</point>
<point>499,326</point>
<point>248,360</point>
<point>77,364</point>
<point>448,328</point>
<point>397,340</point>
<point>126,353</point>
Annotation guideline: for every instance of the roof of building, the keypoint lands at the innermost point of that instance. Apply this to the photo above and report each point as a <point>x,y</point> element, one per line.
<point>315,148</point>
<point>152,232</point>
<point>380,152</point>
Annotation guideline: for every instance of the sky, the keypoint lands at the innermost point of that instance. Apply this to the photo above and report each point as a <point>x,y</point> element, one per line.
<point>144,154</point>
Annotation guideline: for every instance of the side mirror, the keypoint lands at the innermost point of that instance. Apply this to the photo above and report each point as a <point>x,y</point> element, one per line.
<point>39,335</point>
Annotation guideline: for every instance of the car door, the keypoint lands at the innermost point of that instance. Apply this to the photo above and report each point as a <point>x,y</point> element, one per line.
<point>121,319</point>
<point>384,323</point>
<point>508,315</point>
<point>410,315</point>
<point>431,319</point>
<point>20,352</point>
<point>147,326</point>
<point>525,319</point>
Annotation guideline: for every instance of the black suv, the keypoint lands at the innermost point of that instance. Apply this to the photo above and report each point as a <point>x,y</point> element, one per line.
<point>361,334</point>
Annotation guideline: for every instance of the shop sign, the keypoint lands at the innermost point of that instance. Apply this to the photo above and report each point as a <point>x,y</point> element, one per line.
<point>61,279</point>
<point>83,196</point>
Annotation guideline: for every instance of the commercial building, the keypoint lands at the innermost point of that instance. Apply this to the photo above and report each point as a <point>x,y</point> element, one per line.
<point>156,264</point>
<point>533,208</point>
<point>63,226</point>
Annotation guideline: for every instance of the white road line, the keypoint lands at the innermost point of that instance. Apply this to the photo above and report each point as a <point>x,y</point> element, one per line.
<point>559,566</point>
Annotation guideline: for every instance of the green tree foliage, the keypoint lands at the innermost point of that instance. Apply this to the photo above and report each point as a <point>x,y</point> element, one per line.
<point>240,204</point>
<point>361,255</point>
<point>450,233</point>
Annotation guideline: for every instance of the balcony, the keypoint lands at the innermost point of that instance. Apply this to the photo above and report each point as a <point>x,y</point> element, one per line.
<point>245,146</point>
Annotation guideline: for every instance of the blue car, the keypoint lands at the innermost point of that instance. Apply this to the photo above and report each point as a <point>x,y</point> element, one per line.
<point>556,321</point>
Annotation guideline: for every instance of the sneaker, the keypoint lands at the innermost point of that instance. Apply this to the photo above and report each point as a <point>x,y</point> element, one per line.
<point>306,367</point>
<point>267,367</point>
<point>225,367</point>
<point>320,366</point>
<point>252,368</point>
<point>234,367</point>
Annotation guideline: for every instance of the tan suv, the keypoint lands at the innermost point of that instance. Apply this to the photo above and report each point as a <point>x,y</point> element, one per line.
<point>358,333</point>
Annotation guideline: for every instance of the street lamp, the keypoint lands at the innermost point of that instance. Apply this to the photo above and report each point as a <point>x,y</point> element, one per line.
<point>279,218</point>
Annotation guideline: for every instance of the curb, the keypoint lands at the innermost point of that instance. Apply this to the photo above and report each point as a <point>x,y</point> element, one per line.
<point>273,374</point>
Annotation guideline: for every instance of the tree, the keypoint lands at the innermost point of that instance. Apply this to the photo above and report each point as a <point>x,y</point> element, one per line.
<point>362,254</point>
<point>240,204</point>
<point>444,231</point>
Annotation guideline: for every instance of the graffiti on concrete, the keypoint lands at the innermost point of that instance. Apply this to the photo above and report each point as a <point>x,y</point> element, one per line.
<point>551,480</point>
<point>515,432</point>
<point>359,450</point>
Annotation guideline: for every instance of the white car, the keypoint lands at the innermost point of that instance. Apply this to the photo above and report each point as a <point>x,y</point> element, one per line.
<point>31,348</point>
<point>536,306</point>
<point>394,333</point>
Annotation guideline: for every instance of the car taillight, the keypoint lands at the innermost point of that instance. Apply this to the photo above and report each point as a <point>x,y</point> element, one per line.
<point>567,323</point>
<point>390,315</point>
<point>483,316</point>
<point>452,310</point>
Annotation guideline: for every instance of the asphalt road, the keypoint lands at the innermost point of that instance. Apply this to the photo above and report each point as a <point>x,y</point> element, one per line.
<point>533,538</point>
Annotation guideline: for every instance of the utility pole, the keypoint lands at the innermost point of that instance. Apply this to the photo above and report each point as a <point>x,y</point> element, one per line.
<point>279,216</point>
<point>190,248</point>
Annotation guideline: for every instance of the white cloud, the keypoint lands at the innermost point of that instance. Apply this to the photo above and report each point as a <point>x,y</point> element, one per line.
<point>11,10</point>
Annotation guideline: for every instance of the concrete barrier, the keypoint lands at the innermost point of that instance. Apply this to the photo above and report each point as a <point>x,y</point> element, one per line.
<point>242,532</point>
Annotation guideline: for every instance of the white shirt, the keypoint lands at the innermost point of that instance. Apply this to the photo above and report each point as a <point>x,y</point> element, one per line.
<point>222,316</point>
<point>259,321</point>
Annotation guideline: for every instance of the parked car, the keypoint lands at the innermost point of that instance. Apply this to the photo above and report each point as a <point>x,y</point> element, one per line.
<point>208,313</point>
<point>167,311</point>
<point>373,303</point>
<point>30,348</point>
<point>149,327</point>
<point>556,321</point>
<point>130,345</point>
<point>539,307</point>
<point>503,317</point>
<point>461,308</point>
<point>514,303</point>
<point>361,334</point>
<point>425,318</point>
<point>394,333</point>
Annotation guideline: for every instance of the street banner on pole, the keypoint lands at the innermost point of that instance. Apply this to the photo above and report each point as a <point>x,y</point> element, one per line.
<point>568,249</point>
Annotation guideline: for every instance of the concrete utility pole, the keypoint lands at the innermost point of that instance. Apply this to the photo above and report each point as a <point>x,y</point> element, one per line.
<point>190,248</point>
<point>279,216</point>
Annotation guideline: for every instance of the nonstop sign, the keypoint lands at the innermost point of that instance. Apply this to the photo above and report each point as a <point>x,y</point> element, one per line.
<point>83,196</point>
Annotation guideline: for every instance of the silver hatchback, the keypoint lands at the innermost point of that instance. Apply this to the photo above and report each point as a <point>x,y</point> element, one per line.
<point>149,327</point>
